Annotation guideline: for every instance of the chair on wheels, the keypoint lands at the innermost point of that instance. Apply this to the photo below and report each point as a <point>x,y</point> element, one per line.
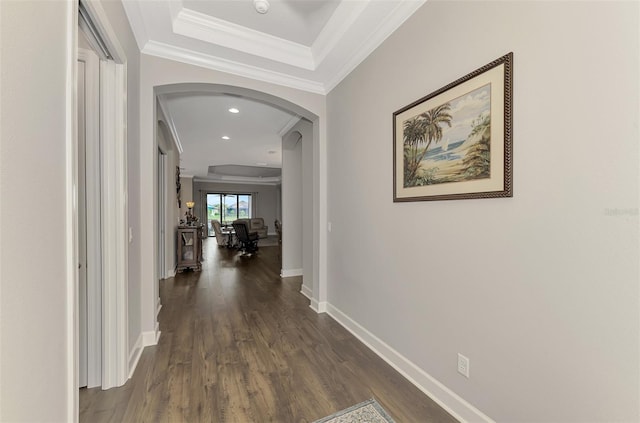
<point>248,240</point>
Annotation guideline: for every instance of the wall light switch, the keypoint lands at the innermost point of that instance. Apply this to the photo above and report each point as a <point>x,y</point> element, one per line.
<point>130,234</point>
<point>463,365</point>
<point>329,226</point>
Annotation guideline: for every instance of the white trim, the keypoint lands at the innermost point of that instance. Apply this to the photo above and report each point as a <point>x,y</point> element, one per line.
<point>151,337</point>
<point>343,18</point>
<point>392,21</point>
<point>134,356</point>
<point>171,273</point>
<point>306,291</point>
<point>136,22</point>
<point>166,51</point>
<point>71,212</point>
<point>168,119</point>
<point>322,307</point>
<point>101,21</point>
<point>288,273</point>
<point>93,189</point>
<point>114,224</point>
<point>443,396</point>
<point>290,124</point>
<point>318,306</point>
<point>213,30</point>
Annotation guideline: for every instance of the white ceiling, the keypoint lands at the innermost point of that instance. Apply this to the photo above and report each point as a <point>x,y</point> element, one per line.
<point>296,21</point>
<point>305,44</point>
<point>200,120</point>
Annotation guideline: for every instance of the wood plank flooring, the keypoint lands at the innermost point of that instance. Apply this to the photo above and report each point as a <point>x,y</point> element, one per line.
<point>240,344</point>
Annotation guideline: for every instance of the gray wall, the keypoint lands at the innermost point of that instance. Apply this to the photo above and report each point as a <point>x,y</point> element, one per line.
<point>36,338</point>
<point>292,204</point>
<point>33,271</point>
<point>266,199</point>
<point>186,194</point>
<point>167,144</point>
<point>306,129</point>
<point>540,291</point>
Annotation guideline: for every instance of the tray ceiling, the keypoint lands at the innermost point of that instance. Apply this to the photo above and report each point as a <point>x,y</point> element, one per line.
<point>306,44</point>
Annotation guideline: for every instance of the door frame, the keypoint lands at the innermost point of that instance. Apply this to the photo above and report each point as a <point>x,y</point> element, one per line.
<point>93,189</point>
<point>113,191</point>
<point>161,176</point>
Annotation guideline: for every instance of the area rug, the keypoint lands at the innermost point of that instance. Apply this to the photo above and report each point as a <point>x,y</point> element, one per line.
<point>270,241</point>
<point>369,411</point>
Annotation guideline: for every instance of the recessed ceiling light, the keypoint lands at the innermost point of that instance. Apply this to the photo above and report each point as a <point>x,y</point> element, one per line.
<point>272,151</point>
<point>234,110</point>
<point>261,164</point>
<point>224,137</point>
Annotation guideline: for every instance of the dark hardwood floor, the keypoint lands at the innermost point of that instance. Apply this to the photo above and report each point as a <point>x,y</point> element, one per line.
<point>240,344</point>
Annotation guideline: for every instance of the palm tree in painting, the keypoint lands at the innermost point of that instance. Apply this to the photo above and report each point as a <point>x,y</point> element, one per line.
<point>477,161</point>
<point>418,131</point>
<point>414,136</point>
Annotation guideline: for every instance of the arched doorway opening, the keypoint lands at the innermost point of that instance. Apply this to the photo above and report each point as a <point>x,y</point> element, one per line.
<point>315,214</point>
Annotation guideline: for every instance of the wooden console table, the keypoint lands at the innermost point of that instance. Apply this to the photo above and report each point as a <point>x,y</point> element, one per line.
<point>189,247</point>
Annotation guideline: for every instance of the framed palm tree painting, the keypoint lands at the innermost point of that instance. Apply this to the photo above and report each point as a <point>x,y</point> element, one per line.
<point>456,143</point>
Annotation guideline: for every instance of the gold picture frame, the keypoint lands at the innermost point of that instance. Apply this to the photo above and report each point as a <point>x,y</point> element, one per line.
<point>456,143</point>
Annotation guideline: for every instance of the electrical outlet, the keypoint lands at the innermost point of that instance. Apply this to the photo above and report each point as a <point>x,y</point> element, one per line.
<point>463,365</point>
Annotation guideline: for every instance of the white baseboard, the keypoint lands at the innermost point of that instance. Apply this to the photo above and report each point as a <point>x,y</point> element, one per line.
<point>318,306</point>
<point>151,337</point>
<point>144,340</point>
<point>134,356</point>
<point>171,273</point>
<point>443,396</point>
<point>306,291</point>
<point>287,273</point>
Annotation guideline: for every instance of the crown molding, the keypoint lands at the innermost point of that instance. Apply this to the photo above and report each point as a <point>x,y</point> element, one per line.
<point>136,22</point>
<point>166,51</point>
<point>344,42</point>
<point>335,29</point>
<point>207,28</point>
<point>237,180</point>
<point>397,17</point>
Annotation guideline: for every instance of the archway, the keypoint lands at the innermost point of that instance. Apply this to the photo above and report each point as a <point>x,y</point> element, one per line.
<point>149,285</point>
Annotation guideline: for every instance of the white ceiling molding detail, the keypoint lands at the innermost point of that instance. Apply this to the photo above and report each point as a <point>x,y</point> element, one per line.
<point>240,180</point>
<point>354,30</point>
<point>167,51</point>
<point>216,31</point>
<point>385,28</point>
<point>134,14</point>
<point>334,31</point>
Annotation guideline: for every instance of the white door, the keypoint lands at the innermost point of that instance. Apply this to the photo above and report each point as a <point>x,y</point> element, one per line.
<point>89,210</point>
<point>83,338</point>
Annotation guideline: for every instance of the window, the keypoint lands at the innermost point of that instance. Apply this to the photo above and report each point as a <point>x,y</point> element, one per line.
<point>228,207</point>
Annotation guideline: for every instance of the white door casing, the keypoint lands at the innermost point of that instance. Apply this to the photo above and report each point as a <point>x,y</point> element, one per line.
<point>93,262</point>
<point>113,222</point>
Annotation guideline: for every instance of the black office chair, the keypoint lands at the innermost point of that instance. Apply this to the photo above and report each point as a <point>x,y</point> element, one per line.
<point>248,240</point>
